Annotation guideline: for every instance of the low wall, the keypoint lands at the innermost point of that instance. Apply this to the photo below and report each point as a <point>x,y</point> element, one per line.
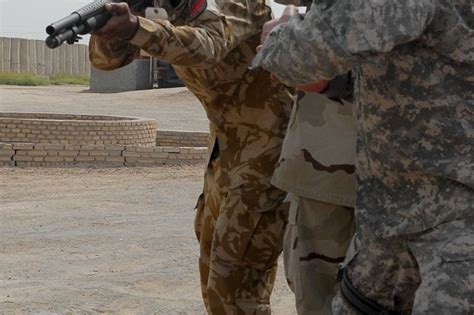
<point>182,138</point>
<point>76,129</point>
<point>29,154</point>
<point>134,76</point>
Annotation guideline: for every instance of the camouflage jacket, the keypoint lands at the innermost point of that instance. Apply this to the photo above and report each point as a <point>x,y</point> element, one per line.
<point>414,90</point>
<point>211,44</point>
<point>318,154</point>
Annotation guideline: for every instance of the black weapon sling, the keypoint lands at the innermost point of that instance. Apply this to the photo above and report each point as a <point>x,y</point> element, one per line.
<point>360,302</point>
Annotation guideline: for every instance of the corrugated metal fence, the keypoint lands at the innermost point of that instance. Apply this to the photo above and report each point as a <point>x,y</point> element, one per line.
<point>27,55</point>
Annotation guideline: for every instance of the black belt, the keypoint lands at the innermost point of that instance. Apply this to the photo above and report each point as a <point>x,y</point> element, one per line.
<point>360,302</point>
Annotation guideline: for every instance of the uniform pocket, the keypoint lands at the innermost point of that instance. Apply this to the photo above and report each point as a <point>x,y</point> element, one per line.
<point>266,241</point>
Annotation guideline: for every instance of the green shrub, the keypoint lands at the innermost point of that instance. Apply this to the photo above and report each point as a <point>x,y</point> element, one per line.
<point>69,79</point>
<point>29,79</point>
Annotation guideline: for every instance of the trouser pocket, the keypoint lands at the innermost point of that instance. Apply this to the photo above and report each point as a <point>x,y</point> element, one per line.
<point>249,238</point>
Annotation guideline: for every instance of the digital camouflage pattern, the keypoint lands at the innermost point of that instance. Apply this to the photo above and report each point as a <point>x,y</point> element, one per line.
<point>211,52</point>
<point>414,88</point>
<point>425,273</point>
<point>316,241</point>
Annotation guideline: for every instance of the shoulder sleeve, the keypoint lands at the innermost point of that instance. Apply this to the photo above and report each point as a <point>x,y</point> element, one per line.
<point>202,42</point>
<point>332,39</point>
<point>110,55</point>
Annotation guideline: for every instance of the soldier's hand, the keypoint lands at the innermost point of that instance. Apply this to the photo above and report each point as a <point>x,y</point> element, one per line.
<point>269,25</point>
<point>122,25</point>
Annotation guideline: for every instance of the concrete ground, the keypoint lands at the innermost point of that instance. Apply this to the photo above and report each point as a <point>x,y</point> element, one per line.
<point>114,241</point>
<point>173,109</point>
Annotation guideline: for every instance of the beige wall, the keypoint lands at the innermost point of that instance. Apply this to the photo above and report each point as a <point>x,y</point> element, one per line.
<point>28,55</point>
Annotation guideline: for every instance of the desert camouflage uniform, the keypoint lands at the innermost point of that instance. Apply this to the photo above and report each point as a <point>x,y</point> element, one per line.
<point>317,167</point>
<point>239,222</point>
<point>414,62</point>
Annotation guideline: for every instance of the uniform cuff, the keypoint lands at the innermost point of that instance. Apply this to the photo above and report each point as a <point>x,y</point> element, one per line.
<point>145,29</point>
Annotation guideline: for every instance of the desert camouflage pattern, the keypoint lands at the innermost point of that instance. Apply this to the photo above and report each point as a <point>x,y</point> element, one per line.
<point>317,166</point>
<point>316,242</point>
<point>211,49</point>
<point>414,90</point>
<point>318,154</point>
<point>238,248</point>
<point>425,273</point>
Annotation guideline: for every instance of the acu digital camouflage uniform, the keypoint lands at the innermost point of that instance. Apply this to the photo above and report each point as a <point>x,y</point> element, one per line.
<point>414,62</point>
<point>239,220</point>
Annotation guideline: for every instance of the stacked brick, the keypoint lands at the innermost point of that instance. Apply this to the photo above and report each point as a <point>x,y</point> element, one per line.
<point>76,129</point>
<point>41,139</point>
<point>29,154</point>
<point>182,138</point>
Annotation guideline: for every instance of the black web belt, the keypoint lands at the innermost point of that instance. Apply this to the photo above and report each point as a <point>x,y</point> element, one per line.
<point>360,302</point>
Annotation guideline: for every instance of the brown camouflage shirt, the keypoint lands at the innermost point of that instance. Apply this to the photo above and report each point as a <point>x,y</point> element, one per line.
<point>318,154</point>
<point>414,92</point>
<point>211,47</point>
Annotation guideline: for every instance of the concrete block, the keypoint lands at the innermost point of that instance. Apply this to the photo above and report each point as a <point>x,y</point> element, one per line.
<point>131,154</point>
<point>171,149</point>
<point>15,55</point>
<point>135,76</point>
<point>115,159</point>
<point>23,158</point>
<point>40,57</point>
<point>75,59</point>
<point>6,146</point>
<point>24,55</point>
<point>53,159</point>
<point>83,59</point>
<point>62,59</point>
<point>23,146</point>
<point>2,57</point>
<point>37,153</point>
<point>48,61</point>
<point>32,59</point>
<point>84,158</point>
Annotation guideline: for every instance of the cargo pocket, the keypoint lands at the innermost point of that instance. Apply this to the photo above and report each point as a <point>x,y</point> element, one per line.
<point>250,227</point>
<point>266,240</point>
<point>445,258</point>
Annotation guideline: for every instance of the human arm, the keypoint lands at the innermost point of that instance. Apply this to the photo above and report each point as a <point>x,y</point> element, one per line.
<point>203,42</point>
<point>331,40</point>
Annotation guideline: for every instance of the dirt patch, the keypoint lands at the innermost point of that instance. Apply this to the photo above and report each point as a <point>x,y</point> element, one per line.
<point>103,241</point>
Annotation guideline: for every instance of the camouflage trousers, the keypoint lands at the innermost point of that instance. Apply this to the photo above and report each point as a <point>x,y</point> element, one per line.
<point>425,273</point>
<point>316,241</point>
<point>239,249</point>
